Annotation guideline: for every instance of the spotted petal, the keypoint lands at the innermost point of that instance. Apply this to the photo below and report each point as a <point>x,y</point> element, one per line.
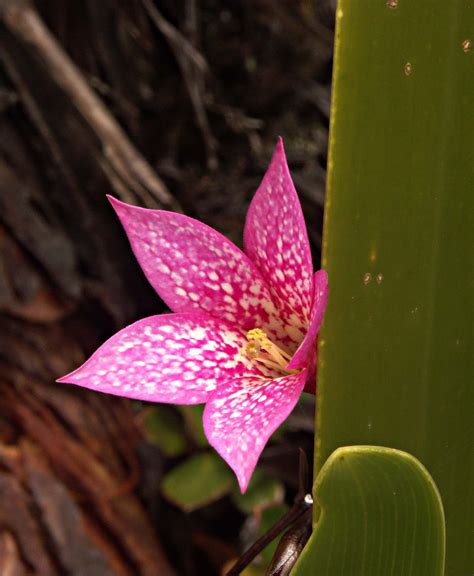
<point>193,267</point>
<point>307,348</point>
<point>312,369</point>
<point>276,240</point>
<point>174,358</point>
<point>242,415</point>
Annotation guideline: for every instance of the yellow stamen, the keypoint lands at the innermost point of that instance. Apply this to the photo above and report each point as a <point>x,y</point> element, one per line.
<point>261,349</point>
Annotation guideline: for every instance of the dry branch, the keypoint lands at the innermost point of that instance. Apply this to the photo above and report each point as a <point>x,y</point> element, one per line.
<point>123,160</point>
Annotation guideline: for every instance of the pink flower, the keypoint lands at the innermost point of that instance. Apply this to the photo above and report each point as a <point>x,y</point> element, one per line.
<point>242,338</point>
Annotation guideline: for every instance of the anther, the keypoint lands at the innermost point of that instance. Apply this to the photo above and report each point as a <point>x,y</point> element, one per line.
<point>261,349</point>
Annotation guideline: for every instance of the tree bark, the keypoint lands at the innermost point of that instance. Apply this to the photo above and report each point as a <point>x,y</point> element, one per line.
<point>68,467</point>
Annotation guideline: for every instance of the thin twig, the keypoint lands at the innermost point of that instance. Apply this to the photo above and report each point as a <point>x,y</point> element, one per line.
<point>174,36</point>
<point>193,74</point>
<point>38,119</point>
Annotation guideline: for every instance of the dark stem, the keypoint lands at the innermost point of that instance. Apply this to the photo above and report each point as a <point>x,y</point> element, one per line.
<point>298,509</point>
<point>290,546</point>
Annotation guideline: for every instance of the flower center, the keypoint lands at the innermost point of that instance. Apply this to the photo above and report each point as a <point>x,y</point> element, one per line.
<point>261,349</point>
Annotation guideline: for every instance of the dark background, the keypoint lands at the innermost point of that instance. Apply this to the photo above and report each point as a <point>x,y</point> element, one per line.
<point>170,104</point>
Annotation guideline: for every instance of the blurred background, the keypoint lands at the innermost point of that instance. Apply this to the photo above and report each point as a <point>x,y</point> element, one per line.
<point>164,104</point>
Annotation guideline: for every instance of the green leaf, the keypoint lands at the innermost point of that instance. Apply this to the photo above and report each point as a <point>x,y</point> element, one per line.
<point>261,493</point>
<point>193,418</point>
<point>395,361</point>
<point>197,482</point>
<point>381,514</point>
<point>163,428</point>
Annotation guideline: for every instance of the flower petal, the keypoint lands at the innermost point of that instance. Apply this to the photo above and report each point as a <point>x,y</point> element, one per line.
<point>308,347</point>
<point>193,267</point>
<point>276,240</point>
<point>175,358</point>
<point>311,369</point>
<point>242,415</point>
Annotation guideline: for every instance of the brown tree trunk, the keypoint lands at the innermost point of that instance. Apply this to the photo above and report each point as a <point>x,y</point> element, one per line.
<point>68,465</point>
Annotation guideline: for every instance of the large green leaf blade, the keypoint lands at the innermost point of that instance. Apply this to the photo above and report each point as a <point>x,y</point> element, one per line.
<point>380,514</point>
<point>396,357</point>
<point>197,482</point>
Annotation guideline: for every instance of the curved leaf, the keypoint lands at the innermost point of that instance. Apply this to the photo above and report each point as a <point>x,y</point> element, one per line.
<point>380,513</point>
<point>196,482</point>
